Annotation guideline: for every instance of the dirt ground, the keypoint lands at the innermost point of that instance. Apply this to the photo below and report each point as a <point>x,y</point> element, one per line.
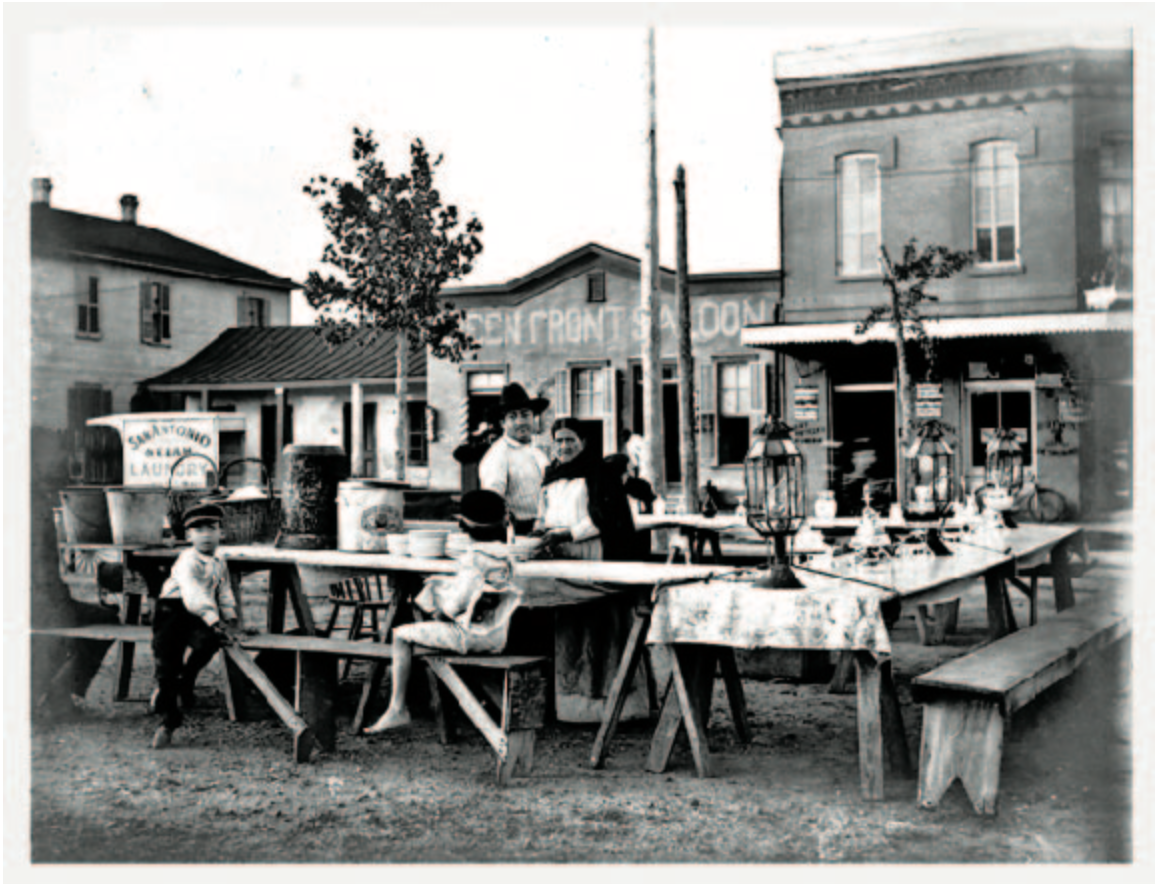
<point>230,793</point>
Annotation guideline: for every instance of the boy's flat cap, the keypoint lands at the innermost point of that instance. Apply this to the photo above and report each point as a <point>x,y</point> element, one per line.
<point>203,514</point>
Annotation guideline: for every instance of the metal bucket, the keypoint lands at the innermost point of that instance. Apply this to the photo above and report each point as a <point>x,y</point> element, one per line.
<point>309,495</point>
<point>86,515</point>
<point>368,510</point>
<point>137,515</point>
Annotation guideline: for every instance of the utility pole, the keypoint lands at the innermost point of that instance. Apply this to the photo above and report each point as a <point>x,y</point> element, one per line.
<point>649,298</point>
<point>689,457</point>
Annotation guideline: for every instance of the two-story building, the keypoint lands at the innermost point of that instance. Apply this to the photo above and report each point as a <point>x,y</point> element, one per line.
<point>114,301</point>
<point>571,331</point>
<point>1016,148</point>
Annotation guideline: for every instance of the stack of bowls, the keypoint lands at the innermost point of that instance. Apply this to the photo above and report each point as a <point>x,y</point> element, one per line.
<point>398,544</point>
<point>428,544</point>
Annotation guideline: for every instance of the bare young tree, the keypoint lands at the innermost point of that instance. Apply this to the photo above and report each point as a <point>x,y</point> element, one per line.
<point>907,282</point>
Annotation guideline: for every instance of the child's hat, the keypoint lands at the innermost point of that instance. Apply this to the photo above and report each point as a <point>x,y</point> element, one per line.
<point>482,509</point>
<point>203,514</point>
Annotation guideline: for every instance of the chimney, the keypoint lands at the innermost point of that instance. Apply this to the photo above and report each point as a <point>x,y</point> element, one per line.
<point>129,208</point>
<point>42,190</point>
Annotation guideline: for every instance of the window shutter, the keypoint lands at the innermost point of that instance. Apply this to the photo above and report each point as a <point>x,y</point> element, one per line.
<point>562,393</point>
<point>164,333</point>
<point>706,408</point>
<point>611,411</point>
<point>240,311</point>
<point>759,412</point>
<point>146,313</point>
<point>288,429</point>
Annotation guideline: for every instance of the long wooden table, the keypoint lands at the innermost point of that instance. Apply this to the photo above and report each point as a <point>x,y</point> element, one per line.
<point>911,584</point>
<point>700,644</point>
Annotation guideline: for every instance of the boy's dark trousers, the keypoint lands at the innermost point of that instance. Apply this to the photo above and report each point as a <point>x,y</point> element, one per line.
<point>174,631</point>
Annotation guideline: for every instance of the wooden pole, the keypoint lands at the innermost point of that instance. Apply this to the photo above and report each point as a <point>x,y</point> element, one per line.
<point>689,459</point>
<point>400,393</point>
<point>649,298</point>
<point>357,431</point>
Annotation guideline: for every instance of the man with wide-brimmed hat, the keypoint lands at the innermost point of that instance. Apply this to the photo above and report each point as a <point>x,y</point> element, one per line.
<point>513,467</point>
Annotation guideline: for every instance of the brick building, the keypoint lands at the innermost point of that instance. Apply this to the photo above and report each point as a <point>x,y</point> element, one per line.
<point>1017,148</point>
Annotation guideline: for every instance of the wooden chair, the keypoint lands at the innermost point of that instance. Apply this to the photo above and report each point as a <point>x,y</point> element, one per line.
<point>364,595</point>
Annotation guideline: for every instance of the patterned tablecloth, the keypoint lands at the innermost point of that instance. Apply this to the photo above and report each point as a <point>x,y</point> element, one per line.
<point>828,615</point>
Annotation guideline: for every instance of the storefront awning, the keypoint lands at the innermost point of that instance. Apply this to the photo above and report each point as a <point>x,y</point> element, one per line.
<point>772,336</point>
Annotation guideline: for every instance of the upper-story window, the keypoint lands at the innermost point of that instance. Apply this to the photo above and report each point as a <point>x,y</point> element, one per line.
<point>252,311</point>
<point>88,310</point>
<point>859,200</point>
<point>1116,197</point>
<point>597,287</point>
<point>995,192</point>
<point>155,313</point>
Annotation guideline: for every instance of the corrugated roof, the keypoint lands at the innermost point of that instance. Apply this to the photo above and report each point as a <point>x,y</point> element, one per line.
<point>286,354</point>
<point>967,327</point>
<point>57,232</point>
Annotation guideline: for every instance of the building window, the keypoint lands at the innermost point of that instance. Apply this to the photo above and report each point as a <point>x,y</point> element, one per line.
<point>155,313</point>
<point>995,193</point>
<point>252,312</point>
<point>1005,405</point>
<point>734,395</point>
<point>88,310</point>
<point>1116,198</point>
<point>859,198</point>
<point>589,394</point>
<point>597,287</point>
<point>419,448</point>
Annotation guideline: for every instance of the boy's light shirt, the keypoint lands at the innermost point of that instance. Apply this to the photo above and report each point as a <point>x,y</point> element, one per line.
<point>202,583</point>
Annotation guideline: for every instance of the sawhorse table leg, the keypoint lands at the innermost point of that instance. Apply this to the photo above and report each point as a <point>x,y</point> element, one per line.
<point>688,704</point>
<point>633,652</point>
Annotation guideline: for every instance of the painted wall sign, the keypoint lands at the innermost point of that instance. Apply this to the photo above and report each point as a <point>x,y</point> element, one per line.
<point>929,399</point>
<point>602,324</point>
<point>153,445</point>
<point>806,404</point>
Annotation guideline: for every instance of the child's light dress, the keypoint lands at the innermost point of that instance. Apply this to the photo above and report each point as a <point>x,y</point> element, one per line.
<point>461,624</point>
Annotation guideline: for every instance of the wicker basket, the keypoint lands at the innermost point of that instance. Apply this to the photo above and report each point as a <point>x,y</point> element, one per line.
<point>247,521</point>
<point>180,499</point>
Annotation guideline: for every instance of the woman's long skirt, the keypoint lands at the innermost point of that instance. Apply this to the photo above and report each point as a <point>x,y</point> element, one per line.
<point>589,643</point>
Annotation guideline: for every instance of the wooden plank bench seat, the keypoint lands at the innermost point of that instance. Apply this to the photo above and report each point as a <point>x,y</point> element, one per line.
<point>518,688</point>
<point>515,684</point>
<point>968,700</point>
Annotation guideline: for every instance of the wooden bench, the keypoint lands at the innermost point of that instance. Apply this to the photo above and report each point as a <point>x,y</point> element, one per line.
<point>243,665</point>
<point>517,686</point>
<point>968,700</point>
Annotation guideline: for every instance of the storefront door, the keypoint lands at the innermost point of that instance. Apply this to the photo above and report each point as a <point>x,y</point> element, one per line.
<point>1008,405</point>
<point>864,420</point>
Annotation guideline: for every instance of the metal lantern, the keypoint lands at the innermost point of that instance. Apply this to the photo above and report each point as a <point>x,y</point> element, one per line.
<point>929,463</point>
<point>774,483</point>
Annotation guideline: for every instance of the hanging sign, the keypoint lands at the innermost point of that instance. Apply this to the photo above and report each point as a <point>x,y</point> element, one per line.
<point>806,404</point>
<point>929,398</point>
<point>153,445</point>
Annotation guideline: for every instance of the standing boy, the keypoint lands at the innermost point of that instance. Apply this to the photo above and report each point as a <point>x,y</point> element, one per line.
<point>196,612</point>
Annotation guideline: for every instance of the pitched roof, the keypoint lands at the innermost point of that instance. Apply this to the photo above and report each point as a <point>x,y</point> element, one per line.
<point>264,357</point>
<point>58,232</point>
<point>582,260</point>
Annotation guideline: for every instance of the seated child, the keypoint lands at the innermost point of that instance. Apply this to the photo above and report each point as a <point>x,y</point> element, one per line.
<point>472,609</point>
<point>195,612</point>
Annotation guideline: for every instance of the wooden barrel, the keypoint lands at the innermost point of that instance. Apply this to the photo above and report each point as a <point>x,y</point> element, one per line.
<point>309,495</point>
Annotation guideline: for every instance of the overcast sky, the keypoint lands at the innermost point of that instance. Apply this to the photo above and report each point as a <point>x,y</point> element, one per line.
<point>216,117</point>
